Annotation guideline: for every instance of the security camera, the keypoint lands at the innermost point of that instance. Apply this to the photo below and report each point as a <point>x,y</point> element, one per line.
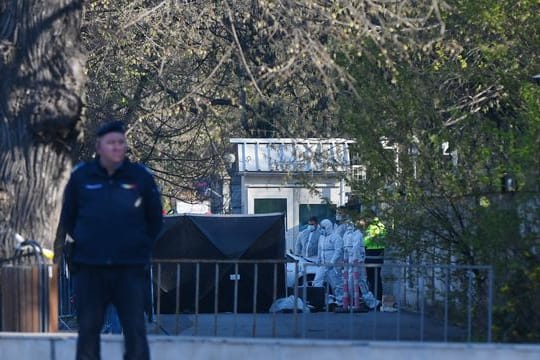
<point>536,79</point>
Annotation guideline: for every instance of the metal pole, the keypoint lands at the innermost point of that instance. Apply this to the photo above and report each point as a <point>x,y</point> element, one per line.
<point>490,303</point>
<point>158,307</point>
<point>377,270</point>
<point>422,305</point>
<point>235,310</point>
<point>255,289</point>
<point>469,305</point>
<point>326,296</point>
<point>447,291</point>
<point>295,303</point>
<point>177,310</point>
<point>399,302</point>
<point>274,297</point>
<point>304,299</point>
<point>216,298</point>
<point>197,278</point>
<point>152,314</point>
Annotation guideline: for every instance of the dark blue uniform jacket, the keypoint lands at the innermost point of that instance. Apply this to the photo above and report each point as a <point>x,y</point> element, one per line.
<point>115,219</point>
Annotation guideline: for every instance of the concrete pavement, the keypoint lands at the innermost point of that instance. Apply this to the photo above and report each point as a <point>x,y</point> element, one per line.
<point>397,326</point>
<point>59,346</point>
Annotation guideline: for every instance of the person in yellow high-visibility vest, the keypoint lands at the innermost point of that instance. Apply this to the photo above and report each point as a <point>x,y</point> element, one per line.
<point>374,241</point>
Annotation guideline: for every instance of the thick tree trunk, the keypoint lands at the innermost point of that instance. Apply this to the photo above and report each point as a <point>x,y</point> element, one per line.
<point>41,86</point>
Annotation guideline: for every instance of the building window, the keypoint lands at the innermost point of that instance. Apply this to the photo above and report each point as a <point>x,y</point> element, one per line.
<point>265,206</point>
<point>358,172</point>
<point>321,211</point>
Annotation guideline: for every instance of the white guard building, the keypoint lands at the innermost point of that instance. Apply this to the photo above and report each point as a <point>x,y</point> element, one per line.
<point>299,177</point>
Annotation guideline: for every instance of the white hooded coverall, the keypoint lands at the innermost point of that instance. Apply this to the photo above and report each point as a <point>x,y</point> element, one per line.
<point>355,257</point>
<point>330,252</point>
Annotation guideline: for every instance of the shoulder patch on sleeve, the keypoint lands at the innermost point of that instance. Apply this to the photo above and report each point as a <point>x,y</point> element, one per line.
<point>78,166</point>
<point>145,168</point>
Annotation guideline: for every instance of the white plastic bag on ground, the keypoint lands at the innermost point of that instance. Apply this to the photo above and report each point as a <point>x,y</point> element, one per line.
<point>370,300</point>
<point>389,303</point>
<point>287,305</point>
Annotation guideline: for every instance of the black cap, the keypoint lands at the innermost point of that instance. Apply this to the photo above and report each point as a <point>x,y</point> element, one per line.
<point>112,126</point>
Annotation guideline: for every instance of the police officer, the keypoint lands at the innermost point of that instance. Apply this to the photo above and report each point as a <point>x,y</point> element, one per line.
<point>374,239</point>
<point>112,211</point>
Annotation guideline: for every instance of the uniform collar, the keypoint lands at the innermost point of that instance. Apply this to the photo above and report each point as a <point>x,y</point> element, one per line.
<point>100,170</point>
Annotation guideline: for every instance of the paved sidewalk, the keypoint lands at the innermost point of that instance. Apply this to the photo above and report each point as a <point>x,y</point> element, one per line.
<point>61,346</point>
<point>398,326</point>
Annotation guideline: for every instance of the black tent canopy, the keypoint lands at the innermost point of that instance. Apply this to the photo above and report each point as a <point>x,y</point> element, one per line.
<point>220,237</point>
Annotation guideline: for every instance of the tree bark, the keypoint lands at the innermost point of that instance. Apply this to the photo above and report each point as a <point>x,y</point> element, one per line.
<point>41,113</point>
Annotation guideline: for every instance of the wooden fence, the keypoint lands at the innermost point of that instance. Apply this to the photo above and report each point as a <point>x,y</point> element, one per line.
<point>29,298</point>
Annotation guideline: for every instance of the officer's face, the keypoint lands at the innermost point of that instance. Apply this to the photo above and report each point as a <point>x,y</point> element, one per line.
<point>112,148</point>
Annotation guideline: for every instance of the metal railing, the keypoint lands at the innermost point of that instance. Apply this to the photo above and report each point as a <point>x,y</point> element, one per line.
<point>66,299</point>
<point>433,302</point>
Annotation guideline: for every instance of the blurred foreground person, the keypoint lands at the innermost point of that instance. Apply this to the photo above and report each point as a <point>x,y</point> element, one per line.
<point>112,211</point>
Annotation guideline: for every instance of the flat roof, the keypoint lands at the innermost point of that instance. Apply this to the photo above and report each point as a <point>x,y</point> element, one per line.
<point>289,140</point>
<point>293,154</point>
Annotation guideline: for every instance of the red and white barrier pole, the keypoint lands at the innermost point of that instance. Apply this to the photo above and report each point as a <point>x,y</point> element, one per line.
<point>356,285</point>
<point>346,298</point>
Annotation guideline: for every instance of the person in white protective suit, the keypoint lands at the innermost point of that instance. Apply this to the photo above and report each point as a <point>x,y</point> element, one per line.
<point>356,294</point>
<point>351,289</point>
<point>307,243</point>
<point>341,221</point>
<point>329,254</point>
